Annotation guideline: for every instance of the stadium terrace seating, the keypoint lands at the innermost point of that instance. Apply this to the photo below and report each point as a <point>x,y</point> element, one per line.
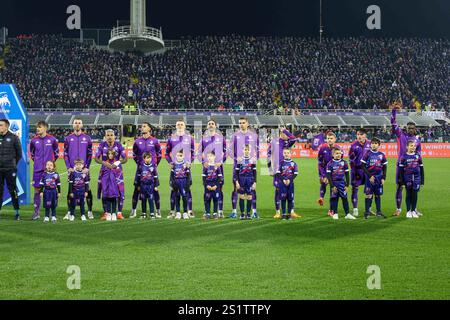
<point>233,73</point>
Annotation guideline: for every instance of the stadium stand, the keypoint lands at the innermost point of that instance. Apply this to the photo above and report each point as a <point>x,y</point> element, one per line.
<point>233,73</point>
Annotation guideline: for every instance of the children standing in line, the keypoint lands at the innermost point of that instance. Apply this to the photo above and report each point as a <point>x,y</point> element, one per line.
<point>112,185</point>
<point>374,164</point>
<point>50,190</point>
<point>246,183</point>
<point>78,189</point>
<point>212,179</point>
<point>412,175</point>
<point>180,183</point>
<point>286,173</point>
<point>339,179</point>
<point>147,183</point>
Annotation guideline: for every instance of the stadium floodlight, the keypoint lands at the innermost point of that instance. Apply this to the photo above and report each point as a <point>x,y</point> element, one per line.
<point>136,36</point>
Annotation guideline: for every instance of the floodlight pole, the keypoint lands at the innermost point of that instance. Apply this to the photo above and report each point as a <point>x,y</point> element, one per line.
<point>321,25</point>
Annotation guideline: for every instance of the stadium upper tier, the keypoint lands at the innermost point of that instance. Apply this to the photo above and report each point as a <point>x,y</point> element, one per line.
<point>319,120</point>
<point>233,73</point>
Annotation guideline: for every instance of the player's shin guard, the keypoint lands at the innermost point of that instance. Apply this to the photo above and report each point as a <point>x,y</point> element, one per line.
<point>185,203</point>
<point>283,207</point>
<point>334,205</point>
<point>414,196</point>
<point>399,196</point>
<point>135,199</point>
<point>120,205</point>
<point>173,200</point>
<point>37,203</point>
<point>215,204</point>
<point>368,204</point>
<point>234,199</point>
<point>68,201</point>
<point>242,205</point>
<point>177,200</point>
<point>157,200</point>
<point>105,205</point>
<point>253,201</point>
<point>323,190</point>
<point>355,196</point>
<point>152,205</point>
<point>220,200</point>
<point>144,206</point>
<point>345,205</point>
<point>408,200</point>
<point>82,209</point>
<point>89,200</point>
<point>378,203</point>
<point>207,205</point>
<point>249,206</point>
<point>189,201</point>
<point>277,200</point>
<point>290,206</point>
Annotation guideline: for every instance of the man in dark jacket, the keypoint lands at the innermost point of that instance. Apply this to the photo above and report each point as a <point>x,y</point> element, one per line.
<point>10,154</point>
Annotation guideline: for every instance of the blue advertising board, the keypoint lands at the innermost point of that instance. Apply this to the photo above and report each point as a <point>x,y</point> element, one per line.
<point>12,108</point>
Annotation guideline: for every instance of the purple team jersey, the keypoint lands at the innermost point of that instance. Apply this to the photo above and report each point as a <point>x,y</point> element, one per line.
<point>79,181</point>
<point>288,171</point>
<point>215,143</point>
<point>411,164</point>
<point>237,142</point>
<point>77,147</point>
<point>147,179</point>
<point>374,162</point>
<point>355,154</point>
<point>337,170</point>
<point>51,186</point>
<point>50,180</point>
<point>42,149</point>
<point>211,175</point>
<point>150,145</point>
<point>403,138</point>
<point>324,157</point>
<point>183,142</point>
<point>246,175</point>
<point>277,145</point>
<point>103,147</point>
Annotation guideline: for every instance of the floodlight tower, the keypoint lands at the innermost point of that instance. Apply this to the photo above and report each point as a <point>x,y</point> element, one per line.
<point>137,36</point>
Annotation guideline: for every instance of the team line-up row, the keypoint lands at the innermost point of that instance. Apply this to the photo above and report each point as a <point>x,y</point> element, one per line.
<point>368,168</point>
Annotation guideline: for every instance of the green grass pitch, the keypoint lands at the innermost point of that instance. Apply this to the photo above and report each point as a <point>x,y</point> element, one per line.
<point>312,257</point>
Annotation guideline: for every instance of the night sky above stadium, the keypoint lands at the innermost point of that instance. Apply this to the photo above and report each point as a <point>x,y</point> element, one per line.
<point>178,18</point>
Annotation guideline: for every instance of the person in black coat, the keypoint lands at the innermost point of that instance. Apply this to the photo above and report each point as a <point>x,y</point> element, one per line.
<point>10,154</point>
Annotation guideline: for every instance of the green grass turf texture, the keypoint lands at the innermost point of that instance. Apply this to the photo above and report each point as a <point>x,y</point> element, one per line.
<point>312,257</point>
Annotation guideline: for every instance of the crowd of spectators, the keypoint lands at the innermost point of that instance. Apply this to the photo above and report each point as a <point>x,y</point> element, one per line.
<point>233,73</point>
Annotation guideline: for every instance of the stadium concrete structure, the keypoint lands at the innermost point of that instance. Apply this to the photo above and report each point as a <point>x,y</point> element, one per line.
<point>313,119</point>
<point>137,36</point>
